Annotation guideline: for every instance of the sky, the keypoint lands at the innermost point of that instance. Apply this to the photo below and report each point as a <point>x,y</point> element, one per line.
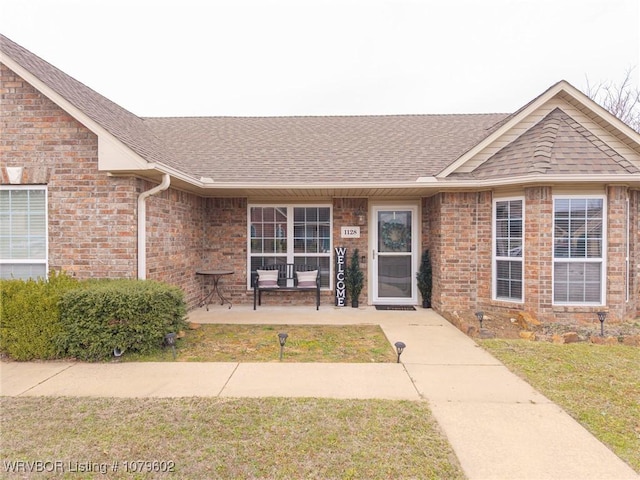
<point>328,57</point>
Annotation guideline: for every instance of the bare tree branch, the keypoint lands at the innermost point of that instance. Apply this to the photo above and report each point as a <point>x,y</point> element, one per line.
<point>622,99</point>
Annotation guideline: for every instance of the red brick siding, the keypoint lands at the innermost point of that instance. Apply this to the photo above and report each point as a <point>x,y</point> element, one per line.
<point>616,252</point>
<point>432,239</point>
<point>538,264</point>
<point>175,239</point>
<point>461,255</point>
<point>344,215</point>
<point>224,244</point>
<point>634,253</point>
<point>458,230</point>
<point>91,216</point>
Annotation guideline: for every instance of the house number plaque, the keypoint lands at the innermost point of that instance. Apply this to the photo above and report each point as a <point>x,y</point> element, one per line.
<point>349,232</point>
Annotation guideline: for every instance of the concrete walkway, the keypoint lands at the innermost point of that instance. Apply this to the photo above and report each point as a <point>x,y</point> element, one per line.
<point>499,427</point>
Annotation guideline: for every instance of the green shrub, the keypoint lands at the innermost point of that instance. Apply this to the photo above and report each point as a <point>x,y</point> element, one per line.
<point>131,315</point>
<point>30,316</point>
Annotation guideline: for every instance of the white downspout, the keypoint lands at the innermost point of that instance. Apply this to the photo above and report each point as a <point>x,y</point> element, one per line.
<point>142,224</point>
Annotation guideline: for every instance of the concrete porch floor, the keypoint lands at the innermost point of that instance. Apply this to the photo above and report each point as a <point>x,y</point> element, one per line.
<point>296,315</point>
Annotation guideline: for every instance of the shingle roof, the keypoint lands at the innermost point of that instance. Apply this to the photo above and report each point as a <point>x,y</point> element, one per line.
<point>317,149</point>
<point>276,149</point>
<point>557,145</point>
<point>282,151</point>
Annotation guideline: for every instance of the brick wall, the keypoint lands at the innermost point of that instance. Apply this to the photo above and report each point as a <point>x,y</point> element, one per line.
<point>224,245</point>
<point>432,239</point>
<point>459,226</point>
<point>634,253</point>
<point>175,239</point>
<point>616,252</point>
<point>538,264</point>
<point>344,215</point>
<point>457,229</point>
<point>92,230</point>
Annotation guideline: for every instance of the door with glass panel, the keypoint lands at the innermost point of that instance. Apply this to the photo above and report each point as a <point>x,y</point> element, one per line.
<point>395,243</point>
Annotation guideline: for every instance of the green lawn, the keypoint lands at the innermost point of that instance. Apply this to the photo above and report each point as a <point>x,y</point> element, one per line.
<point>597,385</point>
<point>215,438</point>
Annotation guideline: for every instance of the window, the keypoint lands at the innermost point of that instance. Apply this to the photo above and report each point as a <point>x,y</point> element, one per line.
<point>508,249</point>
<point>578,246</point>
<point>23,232</point>
<point>291,234</point>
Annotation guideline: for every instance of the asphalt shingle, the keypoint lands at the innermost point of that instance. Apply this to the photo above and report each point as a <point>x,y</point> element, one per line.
<point>557,145</point>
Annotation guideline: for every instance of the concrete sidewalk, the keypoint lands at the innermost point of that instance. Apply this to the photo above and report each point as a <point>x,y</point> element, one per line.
<point>499,427</point>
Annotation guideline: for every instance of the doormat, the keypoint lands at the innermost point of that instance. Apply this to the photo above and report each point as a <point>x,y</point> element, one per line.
<point>395,307</point>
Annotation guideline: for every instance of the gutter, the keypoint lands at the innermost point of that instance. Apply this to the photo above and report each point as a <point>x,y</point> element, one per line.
<point>142,224</point>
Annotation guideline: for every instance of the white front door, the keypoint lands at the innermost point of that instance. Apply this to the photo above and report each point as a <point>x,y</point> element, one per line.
<point>395,243</point>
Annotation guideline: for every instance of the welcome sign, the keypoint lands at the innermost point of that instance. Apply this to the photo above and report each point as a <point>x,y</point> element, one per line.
<point>341,287</point>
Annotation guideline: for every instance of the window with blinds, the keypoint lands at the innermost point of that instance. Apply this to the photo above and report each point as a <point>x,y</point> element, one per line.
<point>23,232</point>
<point>578,246</point>
<point>508,249</point>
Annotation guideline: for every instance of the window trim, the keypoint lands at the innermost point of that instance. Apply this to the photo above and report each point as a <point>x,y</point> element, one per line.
<point>290,256</point>
<point>494,256</point>
<point>27,261</point>
<point>602,260</point>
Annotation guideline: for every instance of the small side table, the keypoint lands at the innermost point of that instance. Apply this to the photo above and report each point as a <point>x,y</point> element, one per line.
<point>215,275</point>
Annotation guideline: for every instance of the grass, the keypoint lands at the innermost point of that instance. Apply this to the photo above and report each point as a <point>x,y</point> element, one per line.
<point>259,343</point>
<point>229,438</point>
<point>598,386</point>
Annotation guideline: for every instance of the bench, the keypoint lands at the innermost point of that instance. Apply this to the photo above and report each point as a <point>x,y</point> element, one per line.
<point>287,277</point>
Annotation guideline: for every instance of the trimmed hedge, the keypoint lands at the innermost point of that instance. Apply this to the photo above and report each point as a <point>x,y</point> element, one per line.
<point>130,315</point>
<point>30,316</point>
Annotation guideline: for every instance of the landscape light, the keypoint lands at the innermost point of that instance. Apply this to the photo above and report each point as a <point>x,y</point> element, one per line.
<point>400,346</point>
<point>602,316</point>
<point>282,338</point>
<point>170,341</point>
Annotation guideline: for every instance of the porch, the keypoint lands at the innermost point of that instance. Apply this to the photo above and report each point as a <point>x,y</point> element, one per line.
<point>308,315</point>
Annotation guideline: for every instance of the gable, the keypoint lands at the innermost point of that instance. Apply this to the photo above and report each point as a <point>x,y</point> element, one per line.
<point>561,126</point>
<point>557,145</point>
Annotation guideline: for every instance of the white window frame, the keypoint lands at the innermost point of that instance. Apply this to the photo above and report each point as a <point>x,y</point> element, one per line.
<point>602,260</point>
<point>495,258</point>
<point>290,254</point>
<point>33,261</point>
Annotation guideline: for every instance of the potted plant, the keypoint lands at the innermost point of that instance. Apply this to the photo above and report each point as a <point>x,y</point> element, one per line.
<point>424,279</point>
<point>354,278</point>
